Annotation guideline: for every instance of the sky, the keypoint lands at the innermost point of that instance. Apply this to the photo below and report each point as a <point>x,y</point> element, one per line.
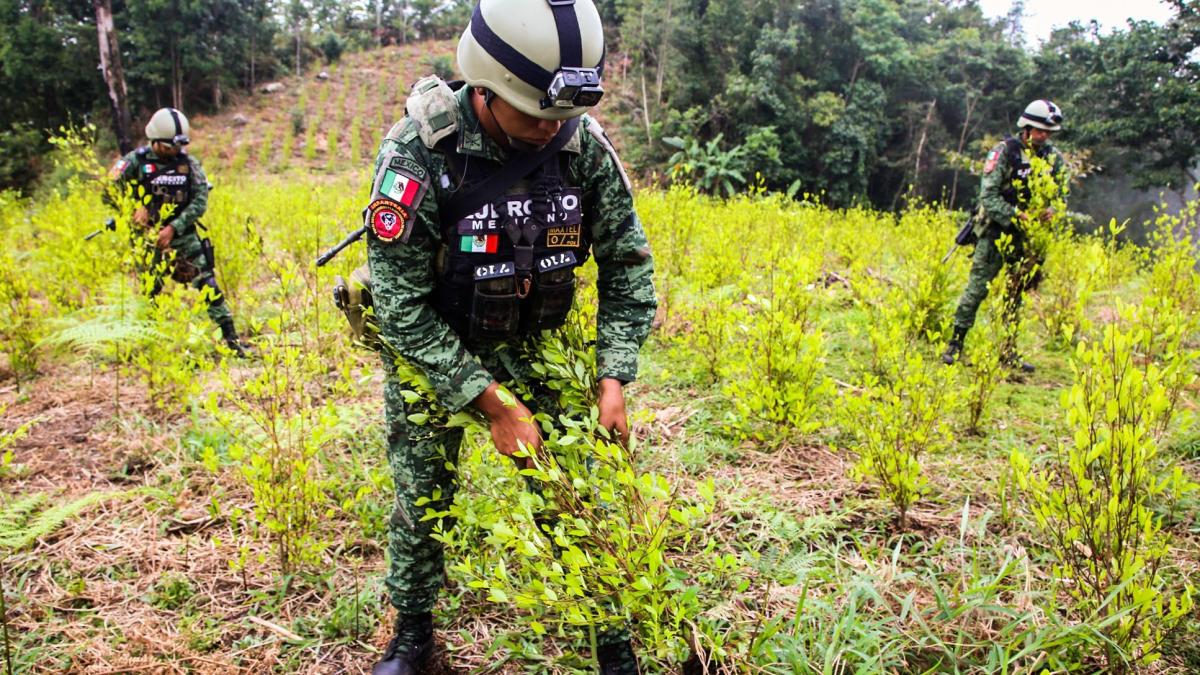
<point>1043,15</point>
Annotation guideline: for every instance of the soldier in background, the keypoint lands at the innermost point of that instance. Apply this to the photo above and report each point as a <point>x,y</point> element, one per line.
<point>169,175</point>
<point>1002,198</point>
<point>457,286</point>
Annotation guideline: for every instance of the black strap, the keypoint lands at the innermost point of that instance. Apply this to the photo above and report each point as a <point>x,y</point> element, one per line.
<point>175,118</point>
<point>531,73</point>
<point>570,43</point>
<point>516,168</point>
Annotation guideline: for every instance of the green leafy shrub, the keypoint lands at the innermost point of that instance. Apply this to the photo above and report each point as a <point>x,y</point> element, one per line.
<point>1093,499</point>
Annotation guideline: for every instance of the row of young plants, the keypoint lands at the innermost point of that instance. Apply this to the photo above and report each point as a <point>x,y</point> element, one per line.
<point>1103,501</point>
<point>818,329</point>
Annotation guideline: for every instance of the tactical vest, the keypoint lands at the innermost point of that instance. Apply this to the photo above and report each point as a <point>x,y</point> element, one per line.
<point>509,268</point>
<point>1016,188</point>
<point>167,181</point>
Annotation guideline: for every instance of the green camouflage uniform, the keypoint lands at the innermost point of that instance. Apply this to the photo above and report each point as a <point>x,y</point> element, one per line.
<point>1000,212</point>
<point>130,170</point>
<point>403,274</point>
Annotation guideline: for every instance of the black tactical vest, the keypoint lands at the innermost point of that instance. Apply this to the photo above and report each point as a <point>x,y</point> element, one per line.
<point>166,181</point>
<point>1016,188</point>
<point>509,269</point>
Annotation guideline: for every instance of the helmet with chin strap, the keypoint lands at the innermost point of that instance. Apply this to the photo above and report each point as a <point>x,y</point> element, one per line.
<point>1041,114</point>
<point>509,50</point>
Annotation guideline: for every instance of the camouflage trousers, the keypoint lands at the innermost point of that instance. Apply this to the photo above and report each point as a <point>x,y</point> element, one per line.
<point>1023,274</point>
<point>193,267</point>
<point>418,457</point>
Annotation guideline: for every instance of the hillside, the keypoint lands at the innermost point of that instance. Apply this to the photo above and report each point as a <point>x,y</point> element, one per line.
<point>810,491</point>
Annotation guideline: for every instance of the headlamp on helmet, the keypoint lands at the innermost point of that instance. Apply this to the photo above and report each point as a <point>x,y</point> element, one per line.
<point>177,140</point>
<point>573,88</point>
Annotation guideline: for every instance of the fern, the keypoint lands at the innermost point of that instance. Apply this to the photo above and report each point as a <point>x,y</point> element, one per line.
<point>92,329</point>
<point>19,527</point>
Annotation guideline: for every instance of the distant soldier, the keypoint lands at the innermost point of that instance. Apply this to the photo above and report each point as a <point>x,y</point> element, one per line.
<point>1003,196</point>
<point>169,175</point>
<point>486,199</point>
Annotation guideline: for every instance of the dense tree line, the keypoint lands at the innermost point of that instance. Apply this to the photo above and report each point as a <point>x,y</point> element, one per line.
<point>873,101</point>
<point>881,100</point>
<point>185,53</point>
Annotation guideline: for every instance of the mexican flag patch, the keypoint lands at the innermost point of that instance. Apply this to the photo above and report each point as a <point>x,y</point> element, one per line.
<point>992,158</point>
<point>118,169</point>
<point>481,243</point>
<point>399,188</point>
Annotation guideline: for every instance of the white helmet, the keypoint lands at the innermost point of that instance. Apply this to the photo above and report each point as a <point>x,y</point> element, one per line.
<point>543,57</point>
<point>168,125</point>
<point>1042,114</point>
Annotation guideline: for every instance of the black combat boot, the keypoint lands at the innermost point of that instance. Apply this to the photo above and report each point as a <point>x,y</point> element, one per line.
<point>229,334</point>
<point>1012,360</point>
<point>954,347</point>
<point>410,648</point>
<point>617,659</point>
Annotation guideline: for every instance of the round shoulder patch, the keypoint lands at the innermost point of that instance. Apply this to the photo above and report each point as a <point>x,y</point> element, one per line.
<point>388,220</point>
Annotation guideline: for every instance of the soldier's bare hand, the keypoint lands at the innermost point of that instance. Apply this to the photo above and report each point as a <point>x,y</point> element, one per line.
<point>141,216</point>
<point>165,235</point>
<point>511,422</point>
<point>612,410</point>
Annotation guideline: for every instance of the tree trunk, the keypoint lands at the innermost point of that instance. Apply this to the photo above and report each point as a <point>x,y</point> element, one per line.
<point>962,141</point>
<point>379,22</point>
<point>114,74</point>
<point>216,93</point>
<point>661,57</point>
<point>253,48</point>
<point>297,46</point>
<point>175,77</point>
<point>921,146</point>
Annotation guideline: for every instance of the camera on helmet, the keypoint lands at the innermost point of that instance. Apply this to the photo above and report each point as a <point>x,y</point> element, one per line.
<point>573,87</point>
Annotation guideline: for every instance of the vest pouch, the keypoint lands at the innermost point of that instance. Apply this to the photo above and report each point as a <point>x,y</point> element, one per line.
<point>495,310</point>
<point>551,299</point>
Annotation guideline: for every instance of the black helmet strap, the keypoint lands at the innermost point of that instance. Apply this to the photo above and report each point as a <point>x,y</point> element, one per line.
<point>570,45</point>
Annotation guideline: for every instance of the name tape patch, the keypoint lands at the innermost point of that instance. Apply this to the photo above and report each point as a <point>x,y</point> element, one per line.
<point>567,211</point>
<point>169,179</point>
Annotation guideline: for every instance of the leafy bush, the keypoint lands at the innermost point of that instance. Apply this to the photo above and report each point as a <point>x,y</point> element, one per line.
<point>1094,498</point>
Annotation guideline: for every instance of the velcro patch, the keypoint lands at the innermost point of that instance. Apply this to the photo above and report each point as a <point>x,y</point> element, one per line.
<point>494,270</point>
<point>388,220</point>
<point>399,185</point>
<point>992,158</point>
<point>566,212</point>
<point>567,236</point>
<point>556,261</point>
<point>409,165</point>
<point>118,169</point>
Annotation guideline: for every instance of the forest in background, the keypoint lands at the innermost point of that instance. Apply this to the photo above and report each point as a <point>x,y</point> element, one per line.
<point>854,101</point>
<point>812,491</point>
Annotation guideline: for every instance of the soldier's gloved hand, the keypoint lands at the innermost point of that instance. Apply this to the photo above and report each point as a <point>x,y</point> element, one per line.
<point>612,410</point>
<point>165,235</point>
<point>1047,214</point>
<point>141,216</point>
<point>509,423</point>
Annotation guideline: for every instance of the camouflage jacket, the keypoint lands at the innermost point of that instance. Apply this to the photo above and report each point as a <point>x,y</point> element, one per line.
<point>998,195</point>
<point>404,268</point>
<point>140,167</point>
